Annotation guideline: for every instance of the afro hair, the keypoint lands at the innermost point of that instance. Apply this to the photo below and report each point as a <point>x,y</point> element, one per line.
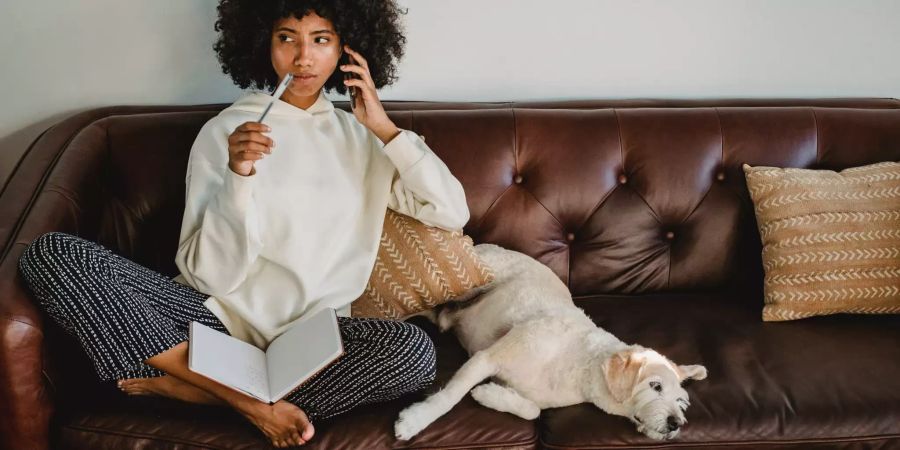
<point>371,27</point>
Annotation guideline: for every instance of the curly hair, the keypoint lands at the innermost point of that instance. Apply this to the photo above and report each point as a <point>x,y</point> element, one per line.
<point>371,27</point>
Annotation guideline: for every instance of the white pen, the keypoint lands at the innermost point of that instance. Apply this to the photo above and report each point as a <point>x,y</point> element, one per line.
<point>275,96</point>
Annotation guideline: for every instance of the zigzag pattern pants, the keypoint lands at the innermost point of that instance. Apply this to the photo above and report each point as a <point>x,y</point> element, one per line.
<point>124,313</point>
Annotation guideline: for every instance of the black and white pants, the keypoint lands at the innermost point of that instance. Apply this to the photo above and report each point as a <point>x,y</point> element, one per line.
<point>124,313</point>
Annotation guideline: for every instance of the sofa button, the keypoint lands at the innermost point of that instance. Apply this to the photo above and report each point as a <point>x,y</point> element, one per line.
<point>670,235</point>
<point>518,179</point>
<point>422,136</point>
<point>570,237</point>
<point>623,179</point>
<point>720,176</point>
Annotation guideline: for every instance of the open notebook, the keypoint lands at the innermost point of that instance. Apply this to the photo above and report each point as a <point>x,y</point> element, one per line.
<point>308,346</point>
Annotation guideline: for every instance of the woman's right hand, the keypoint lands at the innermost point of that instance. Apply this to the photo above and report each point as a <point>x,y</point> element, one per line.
<point>246,145</point>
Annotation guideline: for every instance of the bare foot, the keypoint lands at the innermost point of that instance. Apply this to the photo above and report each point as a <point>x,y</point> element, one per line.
<point>169,386</point>
<point>284,423</point>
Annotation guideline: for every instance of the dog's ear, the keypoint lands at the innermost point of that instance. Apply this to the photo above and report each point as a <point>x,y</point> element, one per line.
<point>622,371</point>
<point>693,372</point>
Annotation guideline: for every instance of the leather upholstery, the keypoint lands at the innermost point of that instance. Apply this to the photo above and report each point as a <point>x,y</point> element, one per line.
<point>638,205</point>
<point>829,381</point>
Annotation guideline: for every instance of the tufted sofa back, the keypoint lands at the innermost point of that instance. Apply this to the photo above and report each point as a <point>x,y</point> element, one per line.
<point>640,200</point>
<point>613,200</point>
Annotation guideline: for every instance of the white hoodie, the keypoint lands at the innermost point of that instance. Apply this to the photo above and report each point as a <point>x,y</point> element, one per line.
<point>302,233</point>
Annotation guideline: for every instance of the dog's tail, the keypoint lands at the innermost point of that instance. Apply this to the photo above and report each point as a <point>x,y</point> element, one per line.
<point>455,304</point>
<point>445,315</point>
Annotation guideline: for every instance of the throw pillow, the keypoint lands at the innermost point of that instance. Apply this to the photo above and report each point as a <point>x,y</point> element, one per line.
<point>417,268</point>
<point>831,240</point>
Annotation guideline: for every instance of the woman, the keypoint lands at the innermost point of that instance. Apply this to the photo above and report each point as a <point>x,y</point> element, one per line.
<point>281,219</point>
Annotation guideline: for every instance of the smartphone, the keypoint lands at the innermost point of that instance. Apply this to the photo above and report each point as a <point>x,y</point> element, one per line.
<point>347,59</point>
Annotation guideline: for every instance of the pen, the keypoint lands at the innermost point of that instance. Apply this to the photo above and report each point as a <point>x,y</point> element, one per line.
<point>275,96</point>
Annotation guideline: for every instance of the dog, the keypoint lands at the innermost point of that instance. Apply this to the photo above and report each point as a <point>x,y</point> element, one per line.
<point>524,331</point>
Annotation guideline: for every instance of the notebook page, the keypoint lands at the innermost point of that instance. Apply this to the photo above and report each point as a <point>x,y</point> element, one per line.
<point>309,345</point>
<point>228,360</point>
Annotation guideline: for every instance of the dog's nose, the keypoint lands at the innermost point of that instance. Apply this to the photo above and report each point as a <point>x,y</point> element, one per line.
<point>673,423</point>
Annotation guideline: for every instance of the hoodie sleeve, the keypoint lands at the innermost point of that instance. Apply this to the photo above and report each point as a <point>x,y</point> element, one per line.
<point>220,233</point>
<point>422,186</point>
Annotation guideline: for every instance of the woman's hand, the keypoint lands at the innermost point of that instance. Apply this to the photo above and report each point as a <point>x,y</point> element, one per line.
<point>246,145</point>
<point>368,109</point>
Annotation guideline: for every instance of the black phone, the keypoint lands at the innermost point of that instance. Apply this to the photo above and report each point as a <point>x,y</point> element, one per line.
<point>347,59</point>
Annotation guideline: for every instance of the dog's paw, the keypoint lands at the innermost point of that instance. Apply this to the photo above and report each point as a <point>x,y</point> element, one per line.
<point>482,394</point>
<point>410,422</point>
<point>529,412</point>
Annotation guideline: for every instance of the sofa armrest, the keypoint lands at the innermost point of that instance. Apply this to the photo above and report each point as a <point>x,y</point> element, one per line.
<point>24,395</point>
<point>46,191</point>
<point>28,209</point>
<point>41,195</point>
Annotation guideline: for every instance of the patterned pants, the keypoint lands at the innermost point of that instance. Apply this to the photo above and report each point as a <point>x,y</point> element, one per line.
<point>124,313</point>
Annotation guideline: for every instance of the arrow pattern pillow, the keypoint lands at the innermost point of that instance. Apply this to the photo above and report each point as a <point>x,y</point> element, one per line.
<point>417,268</point>
<point>831,240</point>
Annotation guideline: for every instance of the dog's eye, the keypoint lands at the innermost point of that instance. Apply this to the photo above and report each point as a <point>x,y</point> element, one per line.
<point>656,386</point>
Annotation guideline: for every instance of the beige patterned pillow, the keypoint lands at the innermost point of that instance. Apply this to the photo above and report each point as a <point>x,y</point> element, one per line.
<point>831,240</point>
<point>419,267</point>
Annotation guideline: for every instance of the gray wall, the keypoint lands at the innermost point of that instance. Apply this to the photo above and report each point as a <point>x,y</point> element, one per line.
<point>62,57</point>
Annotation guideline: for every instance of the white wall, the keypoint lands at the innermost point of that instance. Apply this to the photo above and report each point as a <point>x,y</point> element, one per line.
<point>65,57</point>
<point>565,49</point>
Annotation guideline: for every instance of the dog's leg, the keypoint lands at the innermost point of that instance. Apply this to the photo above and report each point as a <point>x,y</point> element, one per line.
<point>505,399</point>
<point>415,418</point>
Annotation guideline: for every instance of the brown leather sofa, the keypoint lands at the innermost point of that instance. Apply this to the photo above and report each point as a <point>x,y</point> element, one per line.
<point>640,206</point>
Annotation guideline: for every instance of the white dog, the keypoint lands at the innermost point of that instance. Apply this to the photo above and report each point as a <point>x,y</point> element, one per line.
<point>543,352</point>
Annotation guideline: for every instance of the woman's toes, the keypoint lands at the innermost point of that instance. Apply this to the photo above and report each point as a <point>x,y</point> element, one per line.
<point>136,386</point>
<point>308,432</point>
<point>131,382</point>
<point>305,427</point>
<point>134,390</point>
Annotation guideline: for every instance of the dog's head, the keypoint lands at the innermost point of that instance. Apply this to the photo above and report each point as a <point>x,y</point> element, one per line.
<point>649,386</point>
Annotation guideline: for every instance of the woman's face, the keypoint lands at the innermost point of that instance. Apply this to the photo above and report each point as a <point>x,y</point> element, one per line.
<point>307,47</point>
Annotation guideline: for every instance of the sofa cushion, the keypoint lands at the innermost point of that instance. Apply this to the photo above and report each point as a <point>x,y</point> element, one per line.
<point>824,379</point>
<point>417,268</point>
<point>831,240</point>
<point>113,420</point>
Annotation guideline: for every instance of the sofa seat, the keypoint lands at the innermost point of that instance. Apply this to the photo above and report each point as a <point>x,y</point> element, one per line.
<point>120,421</point>
<point>776,379</point>
<point>830,380</point>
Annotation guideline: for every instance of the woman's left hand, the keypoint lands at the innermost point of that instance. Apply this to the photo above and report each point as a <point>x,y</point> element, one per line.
<point>368,109</point>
